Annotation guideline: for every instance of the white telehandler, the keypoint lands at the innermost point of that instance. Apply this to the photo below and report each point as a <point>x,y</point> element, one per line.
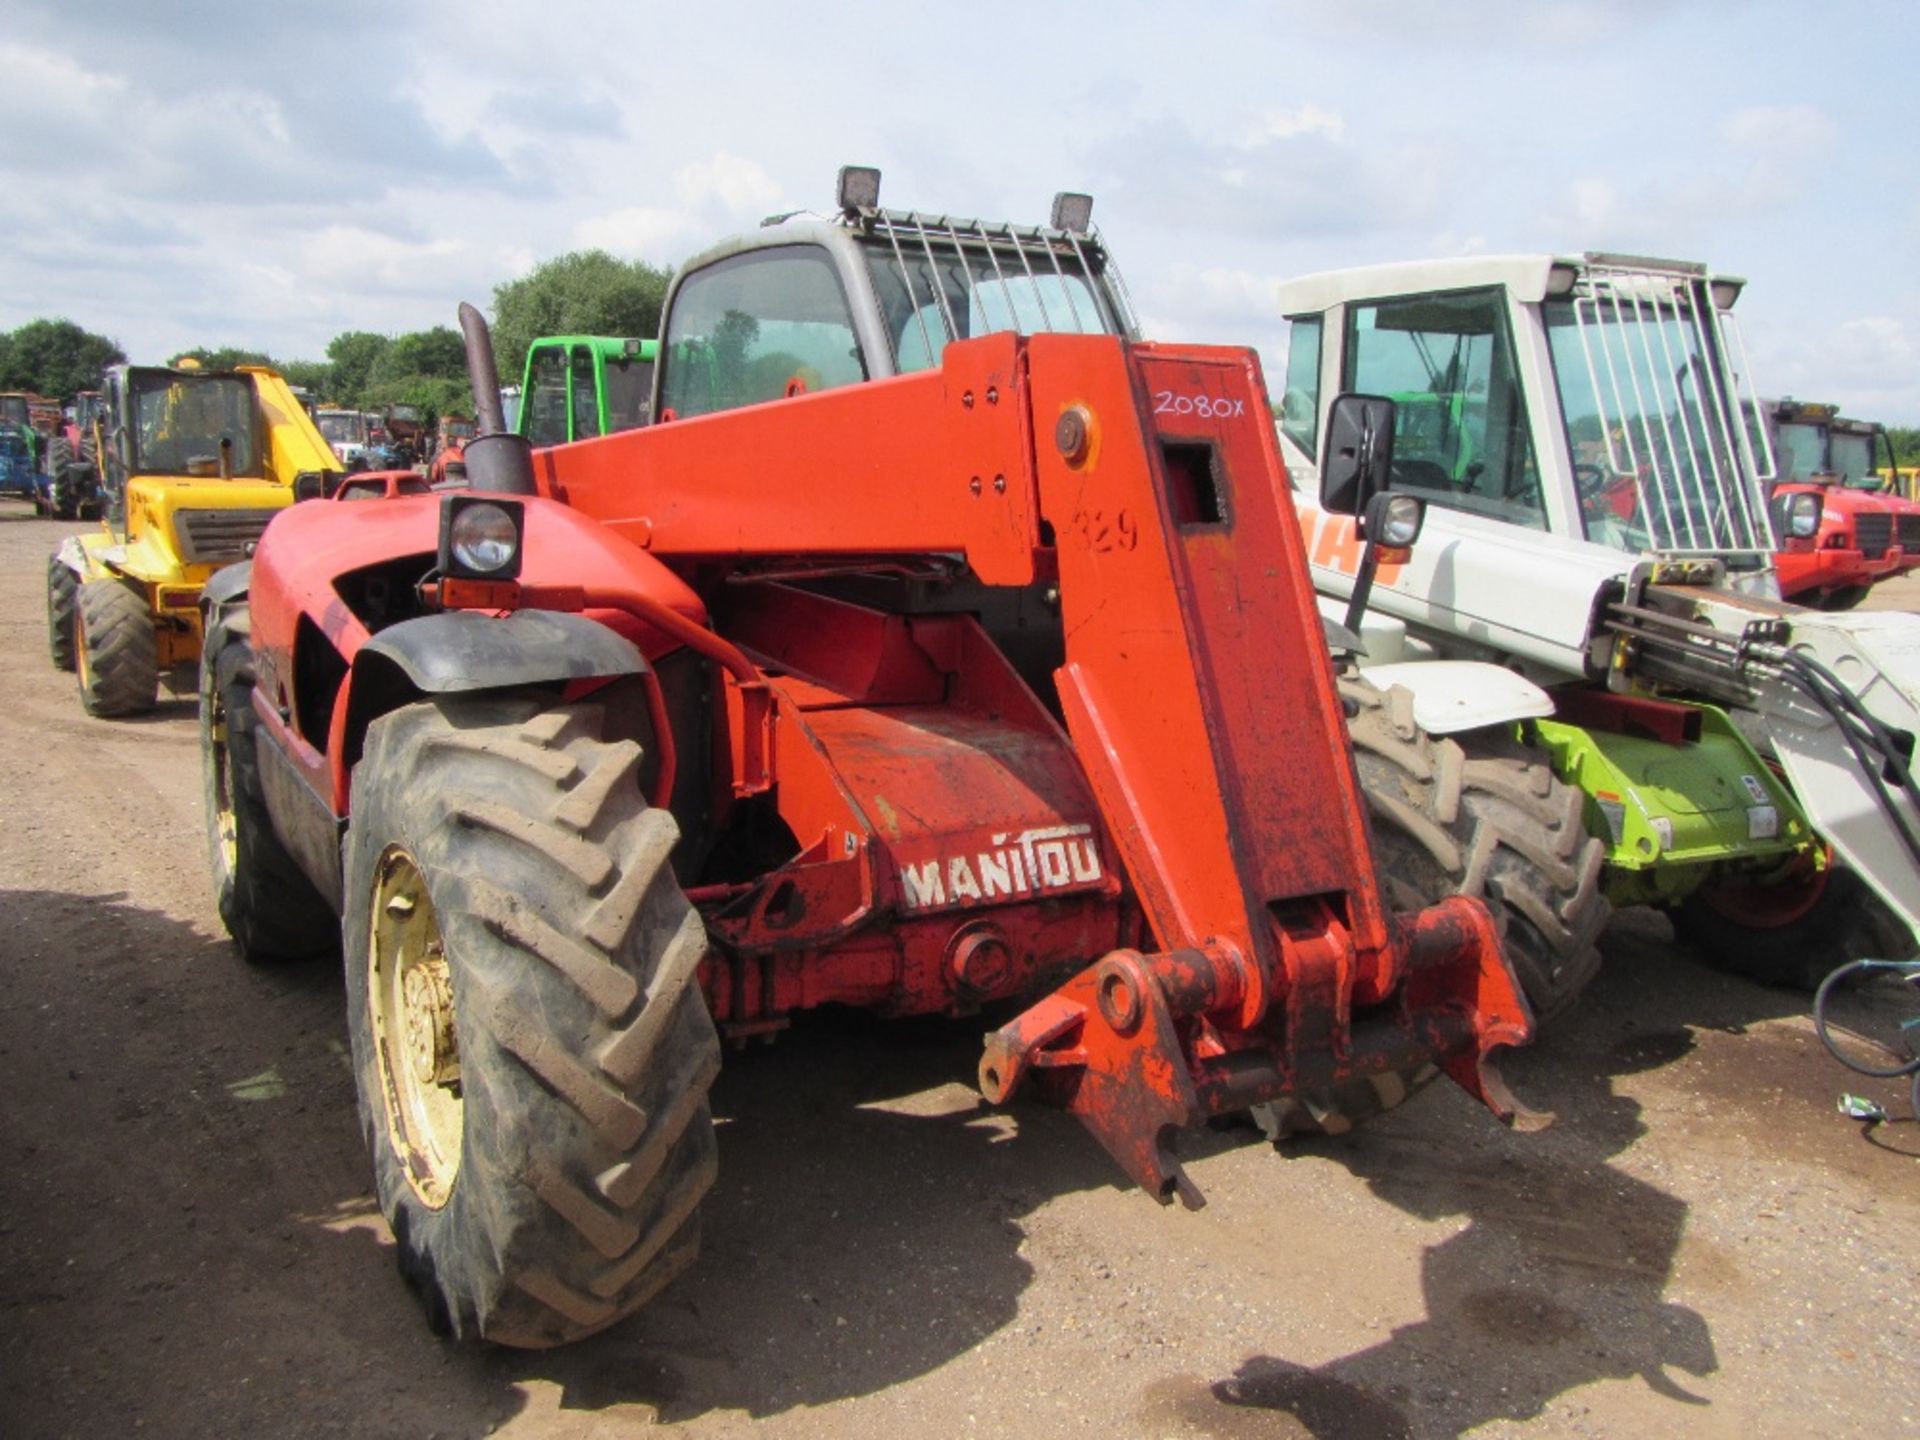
<point>1595,585</point>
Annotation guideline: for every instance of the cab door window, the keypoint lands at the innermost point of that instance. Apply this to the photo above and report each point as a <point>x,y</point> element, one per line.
<point>757,327</point>
<point>586,399</point>
<point>546,399</point>
<point>1460,423</point>
<point>1300,400</point>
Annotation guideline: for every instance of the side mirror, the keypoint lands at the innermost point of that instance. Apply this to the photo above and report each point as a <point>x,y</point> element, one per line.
<point>1357,461</point>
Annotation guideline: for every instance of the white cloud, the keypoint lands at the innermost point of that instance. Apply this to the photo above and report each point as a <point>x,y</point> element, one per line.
<point>720,193</point>
<point>637,230</point>
<point>1293,122</point>
<point>1799,128</point>
<point>737,186</point>
<point>169,180</point>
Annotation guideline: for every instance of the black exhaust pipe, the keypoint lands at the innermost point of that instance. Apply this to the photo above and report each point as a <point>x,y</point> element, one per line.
<point>497,460</point>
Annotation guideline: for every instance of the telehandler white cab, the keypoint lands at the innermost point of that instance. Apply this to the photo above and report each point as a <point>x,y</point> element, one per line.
<point>1598,550</point>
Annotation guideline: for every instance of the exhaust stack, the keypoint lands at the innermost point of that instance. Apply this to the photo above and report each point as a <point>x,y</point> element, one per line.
<point>497,460</point>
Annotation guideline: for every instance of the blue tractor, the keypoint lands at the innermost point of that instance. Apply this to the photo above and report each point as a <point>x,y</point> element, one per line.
<point>19,449</point>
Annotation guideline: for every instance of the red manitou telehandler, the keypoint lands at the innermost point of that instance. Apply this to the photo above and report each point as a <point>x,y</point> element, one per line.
<point>940,644</point>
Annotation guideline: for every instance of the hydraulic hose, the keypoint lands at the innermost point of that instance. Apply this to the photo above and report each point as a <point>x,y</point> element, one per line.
<point>1873,745</point>
<point>1908,969</point>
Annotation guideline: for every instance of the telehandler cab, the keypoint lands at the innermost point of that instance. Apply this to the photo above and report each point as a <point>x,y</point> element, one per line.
<point>1596,589</point>
<point>197,461</point>
<point>929,652</point>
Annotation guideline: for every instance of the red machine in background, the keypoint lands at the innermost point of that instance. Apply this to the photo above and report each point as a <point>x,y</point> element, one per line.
<point>1864,535</point>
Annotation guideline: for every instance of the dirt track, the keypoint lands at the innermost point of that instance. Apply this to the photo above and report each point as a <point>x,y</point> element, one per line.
<point>1700,1246</point>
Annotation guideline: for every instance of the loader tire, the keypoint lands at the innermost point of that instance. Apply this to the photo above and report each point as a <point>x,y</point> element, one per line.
<point>1495,824</point>
<point>269,906</point>
<point>63,585</point>
<point>115,653</point>
<point>1772,941</point>
<point>531,1049</point>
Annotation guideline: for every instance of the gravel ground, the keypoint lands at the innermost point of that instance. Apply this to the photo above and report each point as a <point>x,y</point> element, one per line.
<point>1701,1245</point>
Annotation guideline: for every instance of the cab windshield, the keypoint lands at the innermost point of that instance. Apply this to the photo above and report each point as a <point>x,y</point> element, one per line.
<point>342,427</point>
<point>1800,450</point>
<point>185,424</point>
<point>1852,457</point>
<point>13,409</point>
<point>939,292</point>
<point>1660,461</point>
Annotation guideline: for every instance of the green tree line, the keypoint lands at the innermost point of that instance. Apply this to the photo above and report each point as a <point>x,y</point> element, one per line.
<point>587,292</point>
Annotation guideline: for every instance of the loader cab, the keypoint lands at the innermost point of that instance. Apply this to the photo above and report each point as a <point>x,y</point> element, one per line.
<point>807,305</point>
<point>1599,400</point>
<point>190,422</point>
<point>581,386</point>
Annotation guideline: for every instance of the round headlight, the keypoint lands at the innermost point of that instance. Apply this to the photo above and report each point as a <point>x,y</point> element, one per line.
<point>1400,526</point>
<point>483,538</point>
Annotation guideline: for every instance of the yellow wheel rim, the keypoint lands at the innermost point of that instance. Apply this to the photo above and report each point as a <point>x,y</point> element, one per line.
<point>225,826</point>
<point>416,1050</point>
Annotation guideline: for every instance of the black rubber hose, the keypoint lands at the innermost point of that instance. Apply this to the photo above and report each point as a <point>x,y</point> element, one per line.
<point>1910,1066</point>
<point>1846,711</point>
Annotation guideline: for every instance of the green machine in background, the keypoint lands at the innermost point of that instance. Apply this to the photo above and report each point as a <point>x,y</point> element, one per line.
<point>578,387</point>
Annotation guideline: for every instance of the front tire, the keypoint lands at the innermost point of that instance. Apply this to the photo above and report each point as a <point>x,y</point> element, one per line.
<point>63,586</point>
<point>269,906</point>
<point>531,1049</point>
<point>115,654</point>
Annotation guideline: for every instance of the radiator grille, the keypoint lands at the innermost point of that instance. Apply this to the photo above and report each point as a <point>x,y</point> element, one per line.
<point>207,535</point>
<point>1910,532</point>
<point>1874,532</point>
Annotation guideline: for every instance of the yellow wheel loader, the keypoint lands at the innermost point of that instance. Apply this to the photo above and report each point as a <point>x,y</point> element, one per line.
<point>196,463</point>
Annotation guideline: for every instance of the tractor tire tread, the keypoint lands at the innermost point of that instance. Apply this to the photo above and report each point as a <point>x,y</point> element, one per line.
<point>1526,849</point>
<point>63,589</point>
<point>1493,823</point>
<point>269,906</point>
<point>585,1024</point>
<point>123,667</point>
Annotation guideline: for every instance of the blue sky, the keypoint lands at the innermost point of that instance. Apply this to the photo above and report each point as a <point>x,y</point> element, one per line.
<point>269,174</point>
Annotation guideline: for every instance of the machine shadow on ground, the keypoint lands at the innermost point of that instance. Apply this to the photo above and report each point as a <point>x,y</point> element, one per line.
<point>866,1230</point>
<point>847,1248</point>
<point>1559,1277</point>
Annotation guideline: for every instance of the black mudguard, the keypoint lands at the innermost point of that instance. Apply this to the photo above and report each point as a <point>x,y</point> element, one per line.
<point>461,650</point>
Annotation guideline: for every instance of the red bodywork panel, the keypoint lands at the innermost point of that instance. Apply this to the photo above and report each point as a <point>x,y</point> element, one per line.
<point>308,546</point>
<point>1190,854</point>
<point>1833,560</point>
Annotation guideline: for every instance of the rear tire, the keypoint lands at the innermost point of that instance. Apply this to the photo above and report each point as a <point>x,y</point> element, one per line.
<point>564,1190</point>
<point>1846,922</point>
<point>1495,824</point>
<point>63,585</point>
<point>269,906</point>
<point>115,655</point>
<point>60,487</point>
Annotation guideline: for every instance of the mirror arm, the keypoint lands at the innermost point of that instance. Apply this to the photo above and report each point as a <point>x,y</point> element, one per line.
<point>1362,585</point>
